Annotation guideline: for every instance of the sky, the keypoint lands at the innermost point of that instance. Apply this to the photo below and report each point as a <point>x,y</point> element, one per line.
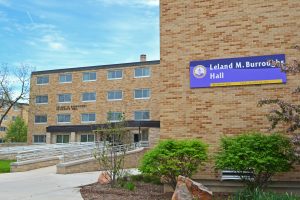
<point>54,34</point>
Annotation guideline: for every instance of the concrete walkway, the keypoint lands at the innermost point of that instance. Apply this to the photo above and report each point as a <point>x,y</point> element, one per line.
<point>44,184</point>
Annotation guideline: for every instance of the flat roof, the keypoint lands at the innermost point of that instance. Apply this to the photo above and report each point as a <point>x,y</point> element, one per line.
<point>132,64</point>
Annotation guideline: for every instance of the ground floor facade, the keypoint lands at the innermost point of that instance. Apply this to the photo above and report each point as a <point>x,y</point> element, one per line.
<point>144,132</point>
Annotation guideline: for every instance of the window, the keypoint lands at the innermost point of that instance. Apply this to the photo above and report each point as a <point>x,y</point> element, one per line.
<point>115,95</point>
<point>142,93</point>
<point>88,117</point>
<point>14,118</point>
<point>62,138</point>
<point>115,74</point>
<point>87,138</point>
<point>42,80</point>
<point>16,107</point>
<point>114,116</point>
<point>41,99</point>
<point>39,138</point>
<point>65,78</point>
<point>142,72</point>
<point>2,128</point>
<point>40,119</point>
<point>89,96</point>
<point>64,118</point>
<point>89,76</point>
<point>64,98</point>
<point>5,117</point>
<point>141,115</point>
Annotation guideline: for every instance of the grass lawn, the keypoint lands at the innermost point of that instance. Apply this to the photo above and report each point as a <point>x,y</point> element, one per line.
<point>5,166</point>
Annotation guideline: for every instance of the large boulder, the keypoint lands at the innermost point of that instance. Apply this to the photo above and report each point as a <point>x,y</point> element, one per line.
<point>104,178</point>
<point>187,189</point>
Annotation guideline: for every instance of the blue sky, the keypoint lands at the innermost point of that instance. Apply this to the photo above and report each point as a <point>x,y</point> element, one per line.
<point>52,34</point>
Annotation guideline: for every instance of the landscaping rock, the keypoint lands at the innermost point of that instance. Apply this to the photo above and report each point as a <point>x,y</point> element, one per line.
<point>187,189</point>
<point>104,178</point>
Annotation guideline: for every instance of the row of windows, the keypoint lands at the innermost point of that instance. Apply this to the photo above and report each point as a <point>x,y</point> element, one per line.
<point>2,128</point>
<point>92,76</point>
<point>91,96</point>
<point>7,117</point>
<point>15,107</point>
<point>91,117</point>
<point>65,138</point>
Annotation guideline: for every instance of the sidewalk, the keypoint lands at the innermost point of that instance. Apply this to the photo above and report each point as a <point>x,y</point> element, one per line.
<point>44,184</point>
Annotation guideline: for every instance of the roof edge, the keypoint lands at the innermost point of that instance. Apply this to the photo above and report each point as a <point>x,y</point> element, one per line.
<point>131,64</point>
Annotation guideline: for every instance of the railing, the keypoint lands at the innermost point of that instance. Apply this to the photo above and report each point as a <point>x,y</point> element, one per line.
<point>91,152</point>
<point>51,151</point>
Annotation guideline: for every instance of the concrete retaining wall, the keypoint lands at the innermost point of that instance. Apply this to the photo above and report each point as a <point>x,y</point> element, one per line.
<point>132,160</point>
<point>33,164</point>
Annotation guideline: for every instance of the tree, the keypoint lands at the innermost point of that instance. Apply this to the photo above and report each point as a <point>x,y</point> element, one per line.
<point>286,112</point>
<point>262,155</point>
<point>14,87</point>
<point>17,131</point>
<point>172,158</point>
<point>114,142</point>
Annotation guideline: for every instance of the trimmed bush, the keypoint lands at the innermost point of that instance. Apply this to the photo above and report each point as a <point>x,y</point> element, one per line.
<point>172,158</point>
<point>263,155</point>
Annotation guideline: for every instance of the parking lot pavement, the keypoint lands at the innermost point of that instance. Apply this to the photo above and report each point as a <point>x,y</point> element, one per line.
<point>43,184</point>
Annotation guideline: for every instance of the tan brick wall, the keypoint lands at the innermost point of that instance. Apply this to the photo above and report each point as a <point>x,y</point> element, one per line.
<point>101,106</point>
<point>22,112</point>
<point>203,30</point>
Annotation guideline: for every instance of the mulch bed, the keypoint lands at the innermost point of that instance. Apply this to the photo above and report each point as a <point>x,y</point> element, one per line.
<point>142,191</point>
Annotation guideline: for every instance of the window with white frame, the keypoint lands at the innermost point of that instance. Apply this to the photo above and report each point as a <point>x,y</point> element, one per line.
<point>39,139</point>
<point>63,118</point>
<point>87,138</point>
<point>64,98</point>
<point>114,116</point>
<point>89,76</point>
<point>62,138</point>
<point>42,80</point>
<point>143,93</point>
<point>115,74</point>
<point>88,117</point>
<point>2,128</point>
<point>114,95</point>
<point>42,99</point>
<point>89,96</point>
<point>40,119</point>
<point>142,72</point>
<point>142,115</point>
<point>65,78</point>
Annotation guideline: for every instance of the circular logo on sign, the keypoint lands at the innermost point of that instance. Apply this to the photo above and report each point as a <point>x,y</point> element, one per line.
<point>199,71</point>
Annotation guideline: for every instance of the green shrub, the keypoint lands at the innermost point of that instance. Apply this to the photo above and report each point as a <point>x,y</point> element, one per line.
<point>128,185</point>
<point>264,155</point>
<point>171,158</point>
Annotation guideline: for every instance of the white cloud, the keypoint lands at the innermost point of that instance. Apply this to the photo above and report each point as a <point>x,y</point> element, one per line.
<point>54,42</point>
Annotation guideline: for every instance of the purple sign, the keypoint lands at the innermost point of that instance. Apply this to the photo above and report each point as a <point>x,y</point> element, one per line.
<point>236,71</point>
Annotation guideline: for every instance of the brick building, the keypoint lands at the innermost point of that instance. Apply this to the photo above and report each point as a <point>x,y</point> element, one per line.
<point>189,30</point>
<point>68,105</point>
<point>19,110</point>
